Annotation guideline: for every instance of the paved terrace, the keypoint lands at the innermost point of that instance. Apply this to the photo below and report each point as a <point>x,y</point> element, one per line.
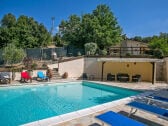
<point>119,107</point>
<point>144,117</point>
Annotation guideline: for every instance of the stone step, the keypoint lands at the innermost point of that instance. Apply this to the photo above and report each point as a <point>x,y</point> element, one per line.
<point>55,74</point>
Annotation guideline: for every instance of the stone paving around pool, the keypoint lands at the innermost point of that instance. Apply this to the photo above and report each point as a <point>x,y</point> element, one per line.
<point>86,119</point>
<point>149,119</point>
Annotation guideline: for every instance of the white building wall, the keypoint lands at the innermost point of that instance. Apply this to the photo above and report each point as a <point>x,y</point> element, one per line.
<point>74,68</point>
<point>52,66</point>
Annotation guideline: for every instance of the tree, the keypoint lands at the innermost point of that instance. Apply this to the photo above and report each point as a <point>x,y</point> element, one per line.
<point>12,54</point>
<point>70,30</point>
<point>107,32</point>
<point>160,43</point>
<point>138,38</point>
<point>24,32</point>
<point>142,39</point>
<point>8,20</point>
<point>31,34</point>
<point>7,30</point>
<point>100,27</point>
<point>58,41</point>
<point>87,29</point>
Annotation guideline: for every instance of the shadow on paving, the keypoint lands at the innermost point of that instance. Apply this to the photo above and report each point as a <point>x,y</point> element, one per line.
<point>140,119</point>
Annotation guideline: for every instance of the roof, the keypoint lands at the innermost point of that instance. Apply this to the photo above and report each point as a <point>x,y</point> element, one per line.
<point>132,41</point>
<point>129,60</point>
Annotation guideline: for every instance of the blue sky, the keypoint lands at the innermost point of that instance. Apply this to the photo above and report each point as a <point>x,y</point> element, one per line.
<point>136,17</point>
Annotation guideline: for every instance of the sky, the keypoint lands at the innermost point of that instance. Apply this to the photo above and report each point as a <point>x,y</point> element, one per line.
<point>136,17</point>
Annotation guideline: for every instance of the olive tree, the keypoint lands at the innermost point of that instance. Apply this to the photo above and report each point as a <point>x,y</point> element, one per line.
<point>12,54</point>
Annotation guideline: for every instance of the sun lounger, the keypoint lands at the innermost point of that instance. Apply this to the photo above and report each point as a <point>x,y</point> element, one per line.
<point>41,75</point>
<point>116,119</point>
<point>5,77</point>
<point>25,77</point>
<point>94,124</point>
<point>148,108</point>
<point>157,98</point>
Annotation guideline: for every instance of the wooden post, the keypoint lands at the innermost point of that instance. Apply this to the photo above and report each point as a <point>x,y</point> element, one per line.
<point>102,70</point>
<point>120,52</point>
<point>153,72</point>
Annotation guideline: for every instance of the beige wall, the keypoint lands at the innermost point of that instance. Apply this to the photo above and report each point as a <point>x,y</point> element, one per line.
<point>142,68</point>
<point>51,66</point>
<point>92,67</point>
<point>74,68</point>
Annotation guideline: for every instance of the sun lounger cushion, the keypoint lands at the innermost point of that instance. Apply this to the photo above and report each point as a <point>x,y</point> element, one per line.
<point>149,108</point>
<point>116,119</point>
<point>25,75</point>
<point>41,75</point>
<point>95,124</point>
<point>158,98</point>
<point>5,77</point>
<point>166,114</point>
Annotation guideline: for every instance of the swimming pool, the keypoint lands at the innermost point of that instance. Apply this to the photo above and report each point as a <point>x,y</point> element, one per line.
<point>23,104</point>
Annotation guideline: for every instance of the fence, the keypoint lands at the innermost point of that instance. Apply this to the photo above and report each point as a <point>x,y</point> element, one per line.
<point>134,52</point>
<point>46,53</point>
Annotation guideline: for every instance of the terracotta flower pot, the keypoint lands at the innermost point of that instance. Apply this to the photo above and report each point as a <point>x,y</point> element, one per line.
<point>65,75</point>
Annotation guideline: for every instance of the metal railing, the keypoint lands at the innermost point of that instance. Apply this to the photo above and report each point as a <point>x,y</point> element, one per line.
<point>133,52</point>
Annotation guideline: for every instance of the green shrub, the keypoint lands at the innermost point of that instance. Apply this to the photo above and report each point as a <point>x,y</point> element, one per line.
<point>158,53</point>
<point>103,52</point>
<point>90,48</point>
<point>128,54</point>
<point>44,65</point>
<point>11,54</point>
<point>34,66</point>
<point>79,54</point>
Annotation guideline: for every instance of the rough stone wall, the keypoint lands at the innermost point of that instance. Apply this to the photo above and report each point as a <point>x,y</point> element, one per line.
<point>165,70</point>
<point>159,71</point>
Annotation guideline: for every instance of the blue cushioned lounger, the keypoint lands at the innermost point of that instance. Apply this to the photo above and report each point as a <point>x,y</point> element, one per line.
<point>41,75</point>
<point>157,98</point>
<point>115,119</point>
<point>149,108</point>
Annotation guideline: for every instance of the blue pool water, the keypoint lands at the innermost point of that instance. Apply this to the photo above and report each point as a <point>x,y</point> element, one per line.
<point>23,104</point>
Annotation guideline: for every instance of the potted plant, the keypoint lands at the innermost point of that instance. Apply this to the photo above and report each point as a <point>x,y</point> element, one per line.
<point>34,66</point>
<point>44,65</point>
<point>65,75</point>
